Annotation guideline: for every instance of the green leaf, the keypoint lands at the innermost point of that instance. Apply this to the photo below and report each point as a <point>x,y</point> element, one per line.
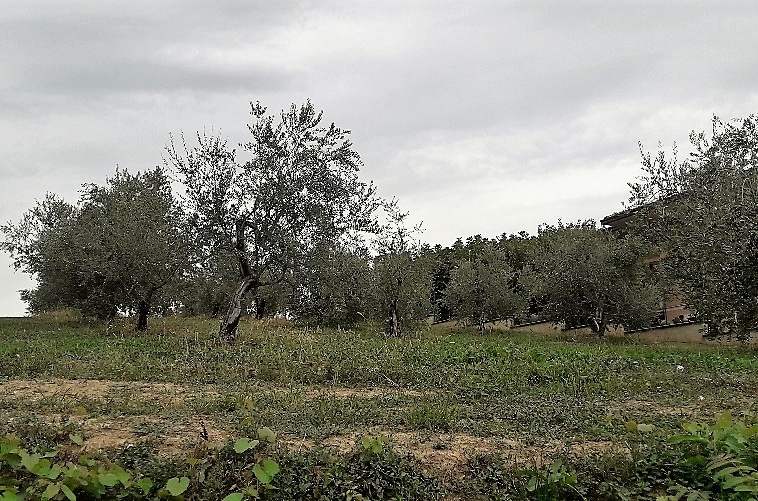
<point>145,484</point>
<point>29,460</point>
<point>645,428</point>
<point>176,486</point>
<point>237,496</point>
<point>244,444</point>
<point>270,466</point>
<point>265,470</point>
<point>53,472</point>
<point>68,493</point>
<point>366,442</point>
<point>261,475</point>
<point>532,485</point>
<point>266,434</point>
<point>725,472</point>
<point>107,479</point>
<point>678,439</point>
<point>691,427</point>
<point>77,439</point>
<point>753,487</point>
<point>724,420</point>
<point>51,491</point>
<point>123,476</point>
<point>9,496</point>
<point>732,481</point>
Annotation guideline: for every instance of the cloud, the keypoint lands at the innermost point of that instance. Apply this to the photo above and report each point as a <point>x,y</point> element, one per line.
<point>90,50</point>
<point>481,116</point>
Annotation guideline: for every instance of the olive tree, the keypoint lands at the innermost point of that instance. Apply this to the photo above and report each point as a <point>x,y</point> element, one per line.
<point>401,275</point>
<point>116,251</point>
<point>703,215</point>
<point>40,244</point>
<point>482,289</point>
<point>334,286</point>
<point>586,276</point>
<point>298,187</point>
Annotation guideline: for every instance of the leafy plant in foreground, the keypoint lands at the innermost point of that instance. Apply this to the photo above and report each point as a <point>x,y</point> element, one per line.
<point>550,483</point>
<point>726,452</point>
<point>26,475</point>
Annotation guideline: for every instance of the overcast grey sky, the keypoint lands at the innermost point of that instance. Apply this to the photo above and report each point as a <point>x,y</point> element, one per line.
<point>480,116</point>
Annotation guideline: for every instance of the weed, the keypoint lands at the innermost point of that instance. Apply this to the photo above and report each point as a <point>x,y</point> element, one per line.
<point>539,391</point>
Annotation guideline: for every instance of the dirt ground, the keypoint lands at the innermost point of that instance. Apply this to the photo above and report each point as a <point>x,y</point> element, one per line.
<point>437,452</point>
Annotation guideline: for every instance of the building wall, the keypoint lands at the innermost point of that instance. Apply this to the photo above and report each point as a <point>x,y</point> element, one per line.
<point>690,332</point>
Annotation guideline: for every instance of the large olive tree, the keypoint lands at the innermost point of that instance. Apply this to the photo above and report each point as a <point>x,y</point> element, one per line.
<point>116,251</point>
<point>297,188</point>
<point>703,214</point>
<point>481,288</point>
<point>586,276</point>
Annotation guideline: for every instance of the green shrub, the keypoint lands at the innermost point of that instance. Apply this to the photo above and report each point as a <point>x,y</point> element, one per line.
<point>719,458</point>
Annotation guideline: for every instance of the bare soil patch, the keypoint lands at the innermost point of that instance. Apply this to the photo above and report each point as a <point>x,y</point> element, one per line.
<point>448,453</point>
<point>368,393</point>
<point>439,453</point>
<point>35,390</point>
<point>697,409</point>
<point>170,394</point>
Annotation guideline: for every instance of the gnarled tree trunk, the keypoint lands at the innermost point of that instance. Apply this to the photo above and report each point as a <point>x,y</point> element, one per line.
<point>142,310</point>
<point>393,321</point>
<point>228,329</point>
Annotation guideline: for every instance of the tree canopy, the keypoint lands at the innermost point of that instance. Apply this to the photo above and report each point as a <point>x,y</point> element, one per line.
<point>298,189</point>
<point>334,286</point>
<point>481,288</point>
<point>115,251</point>
<point>703,214</point>
<point>401,275</point>
<point>585,276</point>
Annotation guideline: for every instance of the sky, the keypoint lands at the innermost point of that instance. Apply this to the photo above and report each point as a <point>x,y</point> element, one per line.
<point>480,117</point>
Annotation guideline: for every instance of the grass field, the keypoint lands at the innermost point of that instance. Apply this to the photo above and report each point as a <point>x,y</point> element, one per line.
<point>460,408</point>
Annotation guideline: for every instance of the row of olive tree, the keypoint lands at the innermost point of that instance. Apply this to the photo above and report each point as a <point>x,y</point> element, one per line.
<point>574,274</point>
<point>292,230</point>
<point>119,249</point>
<point>284,228</point>
<point>699,215</point>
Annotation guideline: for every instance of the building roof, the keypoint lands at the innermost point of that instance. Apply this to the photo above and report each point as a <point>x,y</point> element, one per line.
<point>619,219</point>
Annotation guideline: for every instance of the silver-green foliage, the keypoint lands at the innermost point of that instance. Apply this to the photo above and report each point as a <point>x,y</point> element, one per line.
<point>118,249</point>
<point>297,189</point>
<point>703,213</point>
<point>586,276</point>
<point>333,288</point>
<point>401,275</point>
<point>482,289</point>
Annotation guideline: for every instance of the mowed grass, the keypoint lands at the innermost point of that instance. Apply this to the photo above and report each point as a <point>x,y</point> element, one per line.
<point>312,385</point>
